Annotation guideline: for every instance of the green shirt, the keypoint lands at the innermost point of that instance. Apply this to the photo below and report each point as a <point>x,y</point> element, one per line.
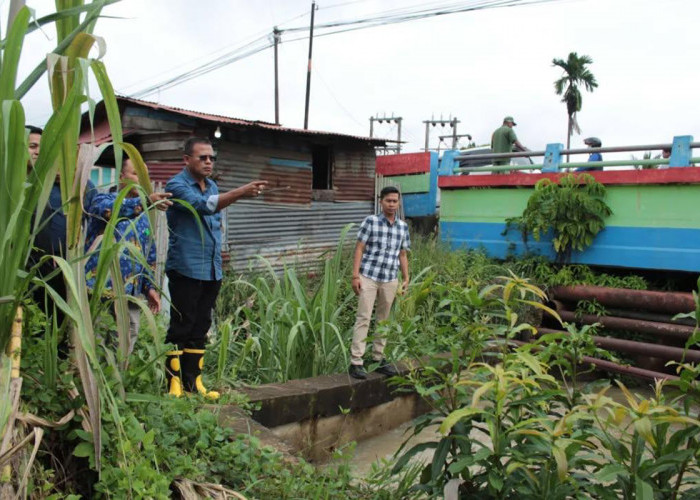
<point>502,141</point>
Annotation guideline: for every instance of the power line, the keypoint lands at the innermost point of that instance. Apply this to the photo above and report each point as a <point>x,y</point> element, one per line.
<point>219,62</point>
<point>340,105</point>
<point>392,16</point>
<point>230,52</point>
<point>411,14</point>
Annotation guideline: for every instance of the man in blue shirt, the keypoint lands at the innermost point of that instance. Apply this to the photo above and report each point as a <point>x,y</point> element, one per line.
<point>51,237</point>
<point>134,227</point>
<point>194,262</point>
<point>382,243</point>
<point>592,142</point>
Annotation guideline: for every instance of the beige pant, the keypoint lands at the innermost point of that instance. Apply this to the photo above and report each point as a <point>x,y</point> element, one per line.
<point>369,291</point>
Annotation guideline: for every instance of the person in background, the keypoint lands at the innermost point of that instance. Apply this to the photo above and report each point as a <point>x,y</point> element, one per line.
<point>592,142</point>
<point>382,243</point>
<point>504,140</point>
<point>134,227</point>
<point>194,262</point>
<point>51,239</point>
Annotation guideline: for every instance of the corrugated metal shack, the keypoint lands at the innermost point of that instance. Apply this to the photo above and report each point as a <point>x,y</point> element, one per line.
<point>330,176</point>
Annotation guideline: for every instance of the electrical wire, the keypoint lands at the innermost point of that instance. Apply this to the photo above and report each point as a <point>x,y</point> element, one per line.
<point>392,16</point>
<point>340,105</point>
<point>213,65</point>
<point>230,52</point>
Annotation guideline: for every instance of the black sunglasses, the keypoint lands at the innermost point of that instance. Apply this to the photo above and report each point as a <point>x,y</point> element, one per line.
<point>204,157</point>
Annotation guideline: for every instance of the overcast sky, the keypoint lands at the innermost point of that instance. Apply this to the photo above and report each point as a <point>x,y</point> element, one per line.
<point>476,66</point>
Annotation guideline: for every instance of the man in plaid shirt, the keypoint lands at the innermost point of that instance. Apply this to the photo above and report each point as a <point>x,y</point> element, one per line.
<point>382,242</point>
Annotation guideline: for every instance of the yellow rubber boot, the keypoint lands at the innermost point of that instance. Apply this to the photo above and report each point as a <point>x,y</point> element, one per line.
<point>173,374</point>
<point>192,364</point>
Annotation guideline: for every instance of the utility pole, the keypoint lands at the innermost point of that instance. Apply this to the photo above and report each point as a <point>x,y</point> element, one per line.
<point>388,119</point>
<point>276,36</point>
<point>453,137</point>
<point>452,122</point>
<point>308,70</point>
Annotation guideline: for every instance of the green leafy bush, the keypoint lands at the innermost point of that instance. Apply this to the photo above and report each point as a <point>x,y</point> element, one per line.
<point>573,211</point>
<point>510,430</point>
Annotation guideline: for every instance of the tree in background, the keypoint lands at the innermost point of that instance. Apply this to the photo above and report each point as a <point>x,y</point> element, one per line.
<point>576,74</point>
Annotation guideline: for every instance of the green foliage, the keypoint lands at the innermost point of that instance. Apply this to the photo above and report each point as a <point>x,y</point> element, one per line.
<point>565,351</point>
<point>572,211</point>
<point>254,341</point>
<point>27,188</point>
<point>152,440</point>
<point>508,429</point>
<point>645,156</point>
<point>546,274</point>
<point>281,331</point>
<point>589,307</point>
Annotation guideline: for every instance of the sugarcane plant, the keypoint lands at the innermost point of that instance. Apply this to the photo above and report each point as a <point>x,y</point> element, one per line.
<point>25,194</point>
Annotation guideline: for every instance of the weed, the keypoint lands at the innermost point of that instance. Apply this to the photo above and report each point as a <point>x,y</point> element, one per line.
<point>573,211</point>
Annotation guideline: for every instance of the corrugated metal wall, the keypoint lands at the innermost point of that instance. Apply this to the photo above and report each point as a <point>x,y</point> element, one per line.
<point>284,226</point>
<point>286,234</point>
<point>239,164</point>
<point>353,173</point>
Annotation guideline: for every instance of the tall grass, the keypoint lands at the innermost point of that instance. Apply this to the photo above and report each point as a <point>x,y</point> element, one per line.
<point>25,194</point>
<point>281,331</point>
<point>277,326</point>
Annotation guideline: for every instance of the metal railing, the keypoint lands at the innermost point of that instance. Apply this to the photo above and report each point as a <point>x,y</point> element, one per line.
<point>681,156</point>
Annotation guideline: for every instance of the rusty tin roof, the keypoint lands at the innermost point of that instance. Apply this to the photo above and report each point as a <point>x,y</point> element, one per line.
<point>247,123</point>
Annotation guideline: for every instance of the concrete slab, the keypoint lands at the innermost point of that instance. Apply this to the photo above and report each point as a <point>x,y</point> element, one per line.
<point>316,397</point>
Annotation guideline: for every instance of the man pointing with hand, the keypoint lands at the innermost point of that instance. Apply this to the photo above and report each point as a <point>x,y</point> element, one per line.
<point>194,262</point>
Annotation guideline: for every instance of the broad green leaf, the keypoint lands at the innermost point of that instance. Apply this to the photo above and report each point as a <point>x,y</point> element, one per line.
<point>455,417</point>
<point>84,449</point>
<point>562,463</point>
<point>11,54</point>
<point>642,489</point>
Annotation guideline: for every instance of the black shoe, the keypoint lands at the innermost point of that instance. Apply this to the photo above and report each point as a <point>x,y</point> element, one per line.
<point>358,372</point>
<point>386,369</point>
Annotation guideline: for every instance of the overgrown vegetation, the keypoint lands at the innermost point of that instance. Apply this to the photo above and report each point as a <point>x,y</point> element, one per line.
<point>572,211</point>
<point>509,429</point>
<point>86,423</point>
<point>275,326</point>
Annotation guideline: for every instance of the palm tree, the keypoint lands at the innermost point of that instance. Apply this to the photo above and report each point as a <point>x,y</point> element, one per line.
<point>576,74</point>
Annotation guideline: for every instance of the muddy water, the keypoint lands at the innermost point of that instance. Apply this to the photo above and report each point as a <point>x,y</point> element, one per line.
<point>386,445</point>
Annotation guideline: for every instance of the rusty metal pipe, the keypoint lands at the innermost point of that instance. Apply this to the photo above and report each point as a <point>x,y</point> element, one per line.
<point>611,367</point>
<point>681,332</point>
<point>644,348</point>
<point>648,316</point>
<point>664,302</point>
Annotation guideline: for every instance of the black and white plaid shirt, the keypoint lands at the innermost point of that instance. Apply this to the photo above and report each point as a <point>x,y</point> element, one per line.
<point>383,243</point>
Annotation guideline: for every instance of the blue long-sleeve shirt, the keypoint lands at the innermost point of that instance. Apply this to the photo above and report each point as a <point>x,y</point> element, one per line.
<point>51,238</point>
<point>591,157</point>
<point>194,245</point>
<point>133,226</point>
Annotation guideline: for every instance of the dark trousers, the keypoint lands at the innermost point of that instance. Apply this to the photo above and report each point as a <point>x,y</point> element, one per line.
<point>192,302</point>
